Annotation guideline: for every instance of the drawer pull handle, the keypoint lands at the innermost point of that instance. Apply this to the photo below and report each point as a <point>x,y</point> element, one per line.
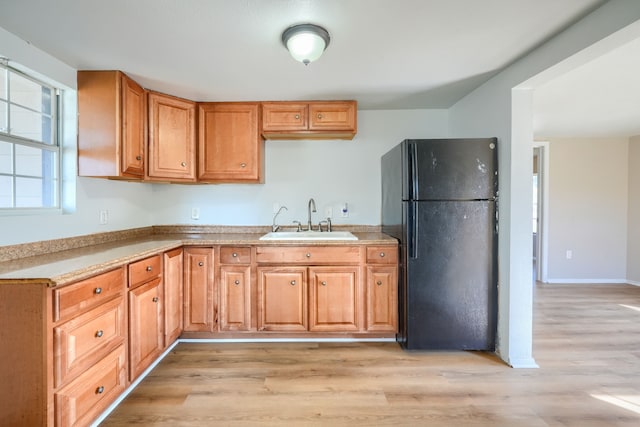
<point>381,254</point>
<point>379,283</point>
<point>155,299</point>
<point>319,116</point>
<point>99,333</point>
<point>235,255</point>
<point>237,282</point>
<point>293,283</point>
<point>183,164</point>
<point>323,283</point>
<point>243,165</point>
<point>98,291</point>
<point>308,255</point>
<point>138,157</point>
<point>297,116</point>
<point>149,268</point>
<point>200,263</point>
<point>100,390</point>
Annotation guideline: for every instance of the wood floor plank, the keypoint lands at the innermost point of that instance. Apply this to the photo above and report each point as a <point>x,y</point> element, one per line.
<point>586,341</point>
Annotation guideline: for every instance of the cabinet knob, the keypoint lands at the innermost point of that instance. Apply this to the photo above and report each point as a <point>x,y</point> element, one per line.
<point>381,254</point>
<point>99,333</point>
<point>308,255</point>
<point>243,165</point>
<point>297,116</point>
<point>100,390</point>
<point>138,157</point>
<point>379,283</point>
<point>323,283</point>
<point>319,115</point>
<point>97,291</point>
<point>237,282</point>
<point>155,299</point>
<point>235,255</point>
<point>183,164</point>
<point>149,268</point>
<point>200,264</point>
<point>293,283</point>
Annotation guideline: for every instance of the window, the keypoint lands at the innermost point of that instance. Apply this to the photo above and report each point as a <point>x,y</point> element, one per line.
<point>29,148</point>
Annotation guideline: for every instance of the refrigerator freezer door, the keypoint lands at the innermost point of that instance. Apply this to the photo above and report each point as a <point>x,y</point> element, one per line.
<point>451,292</point>
<point>451,169</point>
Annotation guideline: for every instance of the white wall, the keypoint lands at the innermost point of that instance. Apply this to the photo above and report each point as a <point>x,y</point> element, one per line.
<point>588,193</point>
<point>496,109</point>
<point>633,229</point>
<point>332,172</point>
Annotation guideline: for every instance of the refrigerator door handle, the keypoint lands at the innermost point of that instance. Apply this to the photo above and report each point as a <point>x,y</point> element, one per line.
<point>413,171</point>
<point>412,230</point>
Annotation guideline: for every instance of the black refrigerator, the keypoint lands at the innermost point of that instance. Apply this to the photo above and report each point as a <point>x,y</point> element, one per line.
<point>439,200</point>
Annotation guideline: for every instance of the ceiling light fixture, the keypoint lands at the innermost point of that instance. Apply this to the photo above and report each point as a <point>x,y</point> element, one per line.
<point>305,42</point>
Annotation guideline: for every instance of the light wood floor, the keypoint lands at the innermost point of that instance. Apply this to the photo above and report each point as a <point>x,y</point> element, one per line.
<point>585,342</point>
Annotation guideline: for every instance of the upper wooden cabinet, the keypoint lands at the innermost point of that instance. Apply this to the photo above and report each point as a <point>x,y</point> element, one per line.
<point>230,148</point>
<point>111,125</point>
<point>309,120</point>
<point>172,138</point>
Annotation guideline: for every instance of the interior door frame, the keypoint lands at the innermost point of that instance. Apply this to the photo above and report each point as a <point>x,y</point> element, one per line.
<point>542,150</point>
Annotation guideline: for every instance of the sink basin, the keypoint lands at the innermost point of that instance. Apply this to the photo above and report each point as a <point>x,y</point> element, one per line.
<point>309,235</point>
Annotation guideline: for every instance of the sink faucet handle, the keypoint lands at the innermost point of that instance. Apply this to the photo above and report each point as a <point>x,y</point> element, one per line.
<point>320,225</point>
<point>299,225</point>
<point>329,223</point>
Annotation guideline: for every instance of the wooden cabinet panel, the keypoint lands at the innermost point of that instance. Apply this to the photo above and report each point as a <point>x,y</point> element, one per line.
<point>308,255</point>
<point>382,298</point>
<point>200,311</point>
<point>382,255</point>
<point>282,299</point>
<point>111,125</point>
<point>172,138</point>
<point>71,300</point>
<point>230,148</point>
<point>82,400</point>
<point>235,298</point>
<point>310,120</point>
<point>335,301</point>
<point>144,270</point>
<point>81,342</point>
<point>173,295</point>
<point>283,116</point>
<point>146,335</point>
<point>235,255</point>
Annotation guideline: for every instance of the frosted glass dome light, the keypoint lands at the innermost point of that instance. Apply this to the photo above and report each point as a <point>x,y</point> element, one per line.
<point>305,42</point>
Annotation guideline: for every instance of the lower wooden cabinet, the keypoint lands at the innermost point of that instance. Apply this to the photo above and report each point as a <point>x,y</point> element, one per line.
<point>335,301</point>
<point>146,326</point>
<point>382,299</point>
<point>173,295</point>
<point>235,298</point>
<point>200,313</point>
<point>282,299</point>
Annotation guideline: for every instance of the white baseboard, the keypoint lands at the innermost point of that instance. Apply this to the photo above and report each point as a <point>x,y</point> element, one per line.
<point>526,363</point>
<point>633,282</point>
<point>589,281</point>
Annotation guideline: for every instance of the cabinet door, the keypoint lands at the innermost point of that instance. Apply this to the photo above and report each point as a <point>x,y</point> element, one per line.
<point>146,335</point>
<point>382,298</point>
<point>230,148</point>
<point>284,116</point>
<point>173,291</point>
<point>332,116</point>
<point>334,300</point>
<point>133,127</point>
<point>235,298</point>
<point>282,299</point>
<point>200,313</point>
<point>172,138</point>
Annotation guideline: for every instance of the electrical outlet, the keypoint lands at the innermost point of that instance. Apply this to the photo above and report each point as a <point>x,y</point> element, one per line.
<point>104,217</point>
<point>569,254</point>
<point>328,212</point>
<point>195,213</point>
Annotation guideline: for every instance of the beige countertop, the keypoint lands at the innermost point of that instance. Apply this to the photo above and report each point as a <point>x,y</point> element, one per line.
<point>62,267</point>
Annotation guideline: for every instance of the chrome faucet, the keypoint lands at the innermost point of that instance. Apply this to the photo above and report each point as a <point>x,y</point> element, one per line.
<point>275,227</point>
<point>311,208</point>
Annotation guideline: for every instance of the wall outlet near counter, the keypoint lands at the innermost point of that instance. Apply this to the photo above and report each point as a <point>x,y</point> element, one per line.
<point>328,212</point>
<point>104,217</point>
<point>195,213</point>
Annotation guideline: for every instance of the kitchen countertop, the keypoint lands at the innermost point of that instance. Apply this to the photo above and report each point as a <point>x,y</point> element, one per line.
<point>62,267</point>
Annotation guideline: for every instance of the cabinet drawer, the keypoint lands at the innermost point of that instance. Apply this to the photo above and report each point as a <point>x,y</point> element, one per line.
<point>81,342</point>
<point>90,394</point>
<point>74,299</point>
<point>382,255</point>
<point>234,255</point>
<point>308,255</point>
<point>142,271</point>
<point>282,116</point>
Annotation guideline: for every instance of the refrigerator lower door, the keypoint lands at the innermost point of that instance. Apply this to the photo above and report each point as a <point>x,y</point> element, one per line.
<point>451,287</point>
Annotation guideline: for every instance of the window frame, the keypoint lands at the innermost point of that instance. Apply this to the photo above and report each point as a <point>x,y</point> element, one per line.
<point>55,147</point>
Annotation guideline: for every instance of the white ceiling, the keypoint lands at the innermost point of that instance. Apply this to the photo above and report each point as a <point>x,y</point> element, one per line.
<point>386,54</point>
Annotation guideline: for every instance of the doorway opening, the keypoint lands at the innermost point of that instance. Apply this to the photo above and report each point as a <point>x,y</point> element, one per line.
<point>539,224</point>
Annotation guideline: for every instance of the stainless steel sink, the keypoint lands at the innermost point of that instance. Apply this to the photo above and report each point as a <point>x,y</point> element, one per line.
<point>309,235</point>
